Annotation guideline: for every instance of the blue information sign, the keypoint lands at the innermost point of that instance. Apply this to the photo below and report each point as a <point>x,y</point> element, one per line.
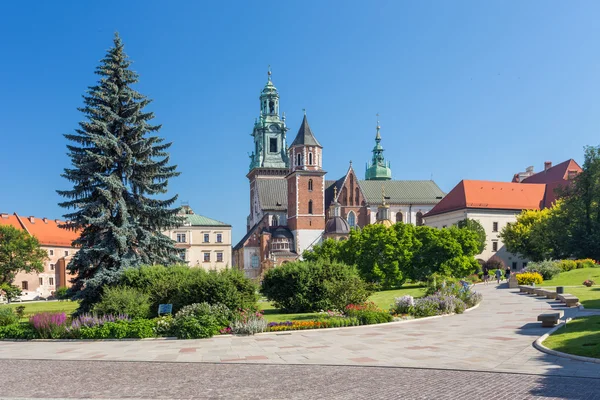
<point>165,308</point>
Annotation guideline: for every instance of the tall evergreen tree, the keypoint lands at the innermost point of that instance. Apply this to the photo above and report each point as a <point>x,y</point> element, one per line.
<point>119,166</point>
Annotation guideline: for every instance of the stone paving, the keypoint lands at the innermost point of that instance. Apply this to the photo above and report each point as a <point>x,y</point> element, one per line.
<point>497,336</point>
<point>145,380</point>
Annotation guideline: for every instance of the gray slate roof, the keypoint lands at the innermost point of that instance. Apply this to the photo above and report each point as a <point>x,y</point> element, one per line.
<point>272,194</point>
<point>305,135</point>
<point>402,192</point>
<point>200,220</point>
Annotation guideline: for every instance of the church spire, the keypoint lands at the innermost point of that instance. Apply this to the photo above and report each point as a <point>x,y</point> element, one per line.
<point>378,169</point>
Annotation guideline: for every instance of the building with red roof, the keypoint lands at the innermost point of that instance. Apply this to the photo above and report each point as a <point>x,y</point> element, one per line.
<point>58,244</point>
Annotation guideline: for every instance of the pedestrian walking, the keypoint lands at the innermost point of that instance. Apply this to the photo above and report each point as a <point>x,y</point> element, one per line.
<point>498,275</point>
<point>507,273</point>
<point>486,276</point>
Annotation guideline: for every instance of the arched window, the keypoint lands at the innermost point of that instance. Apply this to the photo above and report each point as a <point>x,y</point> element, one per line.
<point>275,221</point>
<point>310,185</point>
<point>419,218</point>
<point>310,208</point>
<point>351,219</point>
<point>356,196</point>
<point>298,159</point>
<point>399,217</point>
<point>344,197</point>
<point>310,159</point>
<point>352,190</point>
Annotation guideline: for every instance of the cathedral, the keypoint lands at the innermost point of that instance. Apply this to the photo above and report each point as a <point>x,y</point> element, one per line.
<point>292,205</point>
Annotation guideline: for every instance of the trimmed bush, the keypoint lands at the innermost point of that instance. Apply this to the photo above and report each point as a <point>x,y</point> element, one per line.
<point>182,285</point>
<point>120,329</point>
<point>528,278</point>
<point>202,320</point>
<point>8,316</point>
<point>567,265</point>
<point>123,300</point>
<point>312,286</point>
<point>547,268</point>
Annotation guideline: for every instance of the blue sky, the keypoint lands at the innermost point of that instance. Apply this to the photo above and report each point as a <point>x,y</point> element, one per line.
<point>465,89</point>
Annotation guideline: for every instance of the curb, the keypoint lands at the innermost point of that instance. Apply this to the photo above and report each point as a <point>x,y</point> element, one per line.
<point>538,344</point>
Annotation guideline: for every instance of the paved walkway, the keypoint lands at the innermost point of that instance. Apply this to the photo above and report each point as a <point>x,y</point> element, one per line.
<point>497,337</point>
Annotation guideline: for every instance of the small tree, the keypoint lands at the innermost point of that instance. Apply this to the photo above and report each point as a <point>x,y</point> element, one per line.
<point>494,263</point>
<point>475,226</point>
<point>19,252</point>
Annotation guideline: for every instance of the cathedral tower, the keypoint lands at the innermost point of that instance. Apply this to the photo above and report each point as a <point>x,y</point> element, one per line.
<point>269,161</point>
<point>306,189</point>
<point>379,169</point>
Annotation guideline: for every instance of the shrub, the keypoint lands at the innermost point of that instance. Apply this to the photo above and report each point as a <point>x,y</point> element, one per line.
<point>123,300</point>
<point>49,325</point>
<point>8,316</point>
<point>567,265</point>
<point>119,329</point>
<point>547,268</point>
<point>248,323</point>
<point>183,285</point>
<point>164,325</point>
<point>402,305</point>
<point>367,313</point>
<point>91,321</point>
<point>589,283</point>
<point>310,286</point>
<point>436,282</point>
<point>200,320</point>
<point>528,278</point>
<point>22,330</point>
<point>20,311</point>
<point>586,263</point>
<point>471,299</point>
<point>425,307</point>
<point>494,263</point>
<point>61,293</point>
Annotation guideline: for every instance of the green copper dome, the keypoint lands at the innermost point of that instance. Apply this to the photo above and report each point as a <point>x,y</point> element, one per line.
<point>378,169</point>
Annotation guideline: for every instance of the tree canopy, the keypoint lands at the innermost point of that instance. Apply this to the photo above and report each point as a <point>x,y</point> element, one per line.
<point>475,226</point>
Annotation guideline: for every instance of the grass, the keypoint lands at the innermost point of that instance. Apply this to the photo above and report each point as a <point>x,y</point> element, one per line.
<point>383,299</point>
<point>581,337</point>
<point>43,306</point>
<point>574,277</point>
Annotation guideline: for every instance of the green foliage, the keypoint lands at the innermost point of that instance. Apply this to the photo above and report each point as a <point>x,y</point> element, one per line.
<point>19,252</point>
<point>137,329</point>
<point>436,282</point>
<point>447,251</point>
<point>329,249</point>
<point>119,167</point>
<point>547,268</point>
<point>201,320</point>
<point>475,226</point>
<point>567,265</point>
<point>21,331</point>
<point>528,278</point>
<point>10,291</point>
<point>61,293</point>
<point>367,313</point>
<point>20,311</point>
<point>586,263</point>
<point>7,316</point>
<point>182,285</point>
<point>312,286</point>
<point>123,300</point>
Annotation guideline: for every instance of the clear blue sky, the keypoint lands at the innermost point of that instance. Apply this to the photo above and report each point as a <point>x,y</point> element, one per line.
<point>465,89</point>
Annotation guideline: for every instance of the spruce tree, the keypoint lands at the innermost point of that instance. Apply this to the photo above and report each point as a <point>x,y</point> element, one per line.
<point>119,167</point>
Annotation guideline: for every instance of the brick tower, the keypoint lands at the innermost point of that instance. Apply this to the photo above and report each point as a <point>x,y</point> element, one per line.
<point>306,189</point>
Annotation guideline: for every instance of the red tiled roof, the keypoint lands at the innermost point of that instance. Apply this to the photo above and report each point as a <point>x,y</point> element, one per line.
<point>557,173</point>
<point>491,195</point>
<point>47,231</point>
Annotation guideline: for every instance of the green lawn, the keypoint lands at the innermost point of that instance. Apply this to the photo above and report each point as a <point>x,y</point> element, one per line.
<point>42,306</point>
<point>383,299</point>
<point>574,277</point>
<point>581,337</point>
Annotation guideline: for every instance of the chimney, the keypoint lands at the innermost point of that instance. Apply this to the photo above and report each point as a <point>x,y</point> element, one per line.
<point>32,219</point>
<point>4,215</point>
<point>45,220</point>
<point>547,165</point>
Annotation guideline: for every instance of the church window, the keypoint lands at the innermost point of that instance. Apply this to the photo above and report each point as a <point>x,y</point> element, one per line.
<point>273,145</point>
<point>275,221</point>
<point>298,159</point>
<point>419,218</point>
<point>356,196</point>
<point>351,219</point>
<point>310,185</point>
<point>310,207</point>
<point>310,159</point>
<point>271,107</point>
<point>399,217</point>
<point>254,261</point>
<point>344,197</point>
